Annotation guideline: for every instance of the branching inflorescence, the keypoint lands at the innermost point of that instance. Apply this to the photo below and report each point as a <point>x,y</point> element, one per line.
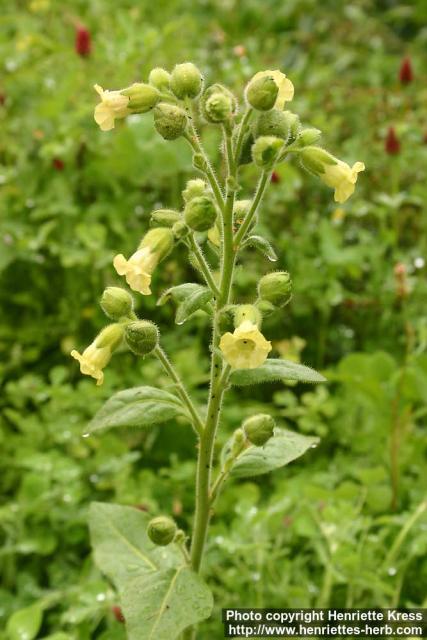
<point>263,133</point>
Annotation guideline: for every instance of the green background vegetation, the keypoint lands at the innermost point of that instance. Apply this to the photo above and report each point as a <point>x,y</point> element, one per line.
<point>344,526</point>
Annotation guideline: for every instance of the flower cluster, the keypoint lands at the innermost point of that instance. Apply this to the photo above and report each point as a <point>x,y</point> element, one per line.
<point>265,133</point>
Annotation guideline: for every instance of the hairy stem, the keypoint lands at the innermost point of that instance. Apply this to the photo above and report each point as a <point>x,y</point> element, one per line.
<point>217,378</point>
<point>259,194</point>
<point>203,264</point>
<point>193,138</point>
<point>181,390</point>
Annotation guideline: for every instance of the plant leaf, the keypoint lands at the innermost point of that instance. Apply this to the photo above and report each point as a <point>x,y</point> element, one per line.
<point>121,546</point>
<point>190,297</point>
<point>275,369</point>
<point>280,450</point>
<point>137,407</point>
<point>25,624</point>
<point>262,245</point>
<point>162,604</point>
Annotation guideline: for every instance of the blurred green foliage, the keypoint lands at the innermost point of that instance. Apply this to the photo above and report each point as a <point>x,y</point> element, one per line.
<point>346,525</point>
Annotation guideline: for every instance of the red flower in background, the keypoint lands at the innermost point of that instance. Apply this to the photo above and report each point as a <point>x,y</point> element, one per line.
<point>275,178</point>
<point>2,99</point>
<point>406,75</point>
<point>392,142</point>
<point>58,164</point>
<point>118,614</point>
<point>83,41</point>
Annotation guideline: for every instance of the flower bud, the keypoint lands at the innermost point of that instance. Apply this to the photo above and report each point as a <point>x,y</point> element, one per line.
<point>276,288</point>
<point>259,428</point>
<point>237,445</point>
<point>142,97</point>
<point>194,189</point>
<point>161,530</point>
<point>160,242</point>
<point>116,303</point>
<point>261,93</point>
<point>273,123</point>
<point>200,213</point>
<point>309,136</point>
<point>218,104</point>
<point>164,218</point>
<point>169,120</point>
<point>160,78</point>
<point>186,81</point>
<point>142,336</point>
<point>265,307</point>
<point>266,151</point>
<point>180,230</point>
<point>244,312</point>
<point>294,126</point>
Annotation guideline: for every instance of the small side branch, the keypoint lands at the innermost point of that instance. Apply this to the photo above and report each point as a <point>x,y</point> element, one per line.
<point>181,390</point>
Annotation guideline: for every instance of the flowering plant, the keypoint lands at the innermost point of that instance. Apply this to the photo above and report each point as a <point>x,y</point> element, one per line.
<point>154,565</point>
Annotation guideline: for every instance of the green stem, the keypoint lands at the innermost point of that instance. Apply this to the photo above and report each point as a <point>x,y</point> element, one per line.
<point>193,138</point>
<point>400,538</point>
<point>181,390</point>
<point>259,194</point>
<point>218,377</point>
<point>203,264</point>
<point>241,135</point>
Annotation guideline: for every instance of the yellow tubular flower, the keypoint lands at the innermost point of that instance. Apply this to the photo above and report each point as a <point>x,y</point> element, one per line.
<point>113,106</point>
<point>342,178</point>
<point>246,347</point>
<point>138,269</point>
<point>286,88</point>
<point>98,354</point>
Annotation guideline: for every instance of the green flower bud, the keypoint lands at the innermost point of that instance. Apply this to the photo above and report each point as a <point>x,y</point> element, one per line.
<point>116,303</point>
<point>259,428</point>
<point>164,217</point>
<point>266,151</point>
<point>160,78</point>
<point>170,121</point>
<point>314,159</point>
<point>241,207</point>
<point>161,530</point>
<point>261,93</point>
<point>186,81</point>
<point>294,126</point>
<point>218,104</point>
<point>276,288</point>
<point>309,136</point>
<point>142,336</point>
<point>180,230</point>
<point>194,189</point>
<point>142,97</point>
<point>249,312</point>
<point>273,123</point>
<point>160,241</point>
<point>265,307</point>
<point>200,213</point>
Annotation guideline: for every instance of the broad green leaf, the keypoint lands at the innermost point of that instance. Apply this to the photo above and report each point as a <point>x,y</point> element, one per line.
<point>137,407</point>
<point>121,546</point>
<point>190,297</point>
<point>275,369</point>
<point>160,605</point>
<point>279,451</point>
<point>262,245</point>
<point>25,623</point>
